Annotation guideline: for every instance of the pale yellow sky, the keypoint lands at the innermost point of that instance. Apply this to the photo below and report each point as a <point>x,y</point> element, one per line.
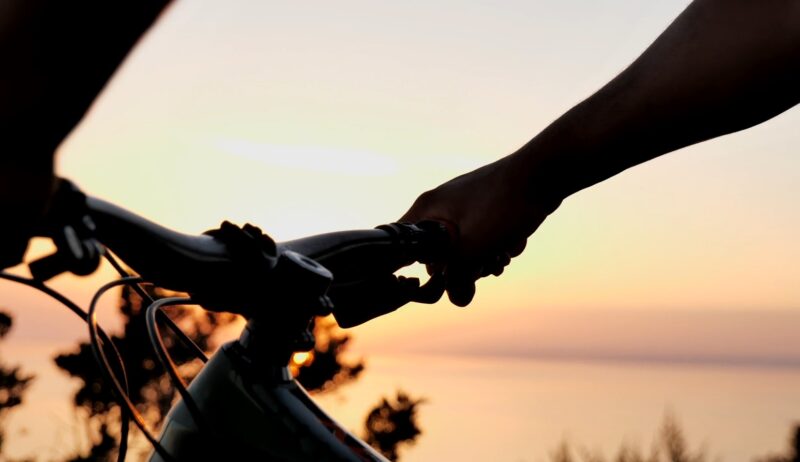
<point>308,117</point>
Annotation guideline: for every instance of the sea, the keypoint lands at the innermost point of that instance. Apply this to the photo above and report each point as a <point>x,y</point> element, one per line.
<point>515,409</point>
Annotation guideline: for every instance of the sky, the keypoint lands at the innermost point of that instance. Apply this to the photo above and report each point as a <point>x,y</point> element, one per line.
<point>308,117</point>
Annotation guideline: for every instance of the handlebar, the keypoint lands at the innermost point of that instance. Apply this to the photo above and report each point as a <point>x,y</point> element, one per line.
<point>242,270</point>
<point>170,259</point>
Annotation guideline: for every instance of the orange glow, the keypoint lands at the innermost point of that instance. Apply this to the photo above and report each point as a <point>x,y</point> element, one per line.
<point>300,359</point>
<point>303,358</point>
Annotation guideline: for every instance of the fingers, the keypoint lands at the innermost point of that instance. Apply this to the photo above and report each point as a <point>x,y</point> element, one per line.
<point>460,267</point>
<point>460,288</point>
<point>461,276</point>
<point>516,249</point>
<point>459,281</point>
<point>461,295</point>
<point>495,265</point>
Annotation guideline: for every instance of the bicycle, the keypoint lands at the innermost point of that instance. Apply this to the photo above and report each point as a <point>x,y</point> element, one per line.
<point>244,404</point>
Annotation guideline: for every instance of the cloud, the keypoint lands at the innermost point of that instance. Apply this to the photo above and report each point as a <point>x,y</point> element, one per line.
<point>757,337</point>
<point>311,158</point>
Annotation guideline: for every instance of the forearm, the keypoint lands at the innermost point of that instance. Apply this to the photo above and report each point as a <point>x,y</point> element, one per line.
<point>25,191</point>
<point>722,66</point>
<point>57,56</point>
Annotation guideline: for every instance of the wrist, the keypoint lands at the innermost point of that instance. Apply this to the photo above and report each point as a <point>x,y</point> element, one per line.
<point>540,176</point>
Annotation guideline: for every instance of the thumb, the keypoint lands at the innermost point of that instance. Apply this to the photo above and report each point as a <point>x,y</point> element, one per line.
<point>460,284</point>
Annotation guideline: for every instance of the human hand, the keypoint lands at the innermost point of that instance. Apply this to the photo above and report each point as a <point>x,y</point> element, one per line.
<point>490,214</point>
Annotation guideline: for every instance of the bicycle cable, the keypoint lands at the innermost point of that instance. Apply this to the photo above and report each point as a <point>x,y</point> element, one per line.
<point>184,339</point>
<point>156,339</point>
<point>72,306</point>
<point>165,359</point>
<point>135,415</point>
<point>98,335</point>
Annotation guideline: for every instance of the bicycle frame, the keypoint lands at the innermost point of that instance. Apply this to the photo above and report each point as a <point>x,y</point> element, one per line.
<point>270,415</point>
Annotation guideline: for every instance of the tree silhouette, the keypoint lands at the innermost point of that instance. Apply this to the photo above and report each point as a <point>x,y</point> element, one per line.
<point>388,426</point>
<point>793,453</point>
<point>392,424</point>
<point>149,385</point>
<point>674,442</point>
<point>321,370</point>
<point>12,382</point>
<point>669,445</point>
<point>324,368</point>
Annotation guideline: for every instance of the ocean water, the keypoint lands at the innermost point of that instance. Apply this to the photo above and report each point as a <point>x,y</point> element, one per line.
<point>504,409</point>
<point>512,409</point>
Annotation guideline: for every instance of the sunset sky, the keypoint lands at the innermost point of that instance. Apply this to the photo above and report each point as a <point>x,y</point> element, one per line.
<point>307,117</point>
<point>316,116</point>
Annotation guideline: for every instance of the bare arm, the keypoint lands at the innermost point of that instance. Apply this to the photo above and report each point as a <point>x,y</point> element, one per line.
<point>56,57</point>
<point>720,67</point>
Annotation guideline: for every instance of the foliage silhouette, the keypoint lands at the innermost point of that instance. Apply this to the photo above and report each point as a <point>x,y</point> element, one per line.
<point>390,424</point>
<point>393,424</point>
<point>321,370</point>
<point>324,368</point>
<point>150,388</point>
<point>793,453</point>
<point>13,383</point>
<point>669,445</point>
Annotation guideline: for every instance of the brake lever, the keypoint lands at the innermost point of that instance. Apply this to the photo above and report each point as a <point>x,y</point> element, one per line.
<point>430,292</point>
<point>72,231</point>
<point>358,302</point>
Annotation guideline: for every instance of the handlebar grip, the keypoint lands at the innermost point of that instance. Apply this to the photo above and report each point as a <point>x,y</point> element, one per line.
<point>365,286</point>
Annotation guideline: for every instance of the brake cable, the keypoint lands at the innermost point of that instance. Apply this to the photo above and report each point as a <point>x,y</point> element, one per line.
<point>164,358</point>
<point>123,396</point>
<point>137,287</point>
<point>72,306</point>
